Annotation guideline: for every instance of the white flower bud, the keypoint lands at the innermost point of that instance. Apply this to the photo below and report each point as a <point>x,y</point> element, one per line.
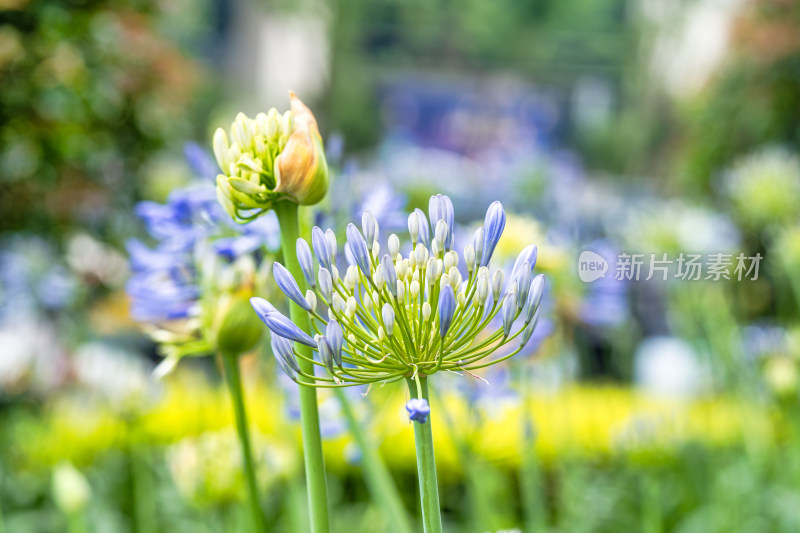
<point>335,274</point>
<point>401,268</point>
<point>350,311</point>
<point>376,248</point>
<point>413,226</point>
<point>449,262</point>
<point>311,299</point>
<point>461,298</point>
<point>421,253</point>
<point>381,333</point>
<point>444,281</point>
<point>497,284</point>
<point>368,304</point>
<point>477,242</point>
<point>394,245</point>
<point>426,311</point>
<point>401,291</point>
<point>440,233</point>
<point>376,299</point>
<point>469,257</point>
<point>415,276</point>
<point>331,316</point>
<point>412,260</point>
<point>413,289</point>
<point>482,290</point>
<point>379,277</point>
<point>435,248</point>
<point>455,279</point>
<point>338,303</point>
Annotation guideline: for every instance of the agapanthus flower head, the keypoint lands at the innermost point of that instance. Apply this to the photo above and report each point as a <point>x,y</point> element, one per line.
<point>270,158</point>
<point>392,316</point>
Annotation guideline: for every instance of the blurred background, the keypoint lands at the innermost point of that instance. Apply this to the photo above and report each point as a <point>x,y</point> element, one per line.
<point>635,126</point>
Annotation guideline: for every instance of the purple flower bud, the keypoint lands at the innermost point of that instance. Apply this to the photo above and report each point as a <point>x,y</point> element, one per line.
<point>390,273</point>
<point>529,254</point>
<point>332,244</point>
<point>306,261</point>
<point>335,336</point>
<point>441,208</point>
<point>359,249</point>
<point>326,284</point>
<point>369,226</point>
<point>283,362</point>
<point>509,311</point>
<point>528,331</point>
<point>279,324</point>
<point>283,351</point>
<point>524,278</point>
<point>288,285</point>
<point>324,352</point>
<point>447,306</point>
<point>424,228</point>
<point>320,243</point>
<point>418,409</point>
<point>534,297</point>
<point>493,226</point>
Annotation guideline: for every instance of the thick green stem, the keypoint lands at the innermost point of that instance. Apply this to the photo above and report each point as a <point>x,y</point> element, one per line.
<point>309,414</point>
<point>379,480</point>
<point>426,463</point>
<point>234,380</point>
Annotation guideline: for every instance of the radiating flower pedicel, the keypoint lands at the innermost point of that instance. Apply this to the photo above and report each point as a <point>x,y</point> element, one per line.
<point>392,316</point>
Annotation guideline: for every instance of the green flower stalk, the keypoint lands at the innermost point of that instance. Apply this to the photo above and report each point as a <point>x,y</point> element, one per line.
<point>270,158</point>
<point>394,317</point>
<point>278,162</point>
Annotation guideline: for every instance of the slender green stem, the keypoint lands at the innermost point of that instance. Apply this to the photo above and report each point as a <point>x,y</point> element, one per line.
<point>426,462</point>
<point>234,380</point>
<point>378,478</point>
<point>287,213</point>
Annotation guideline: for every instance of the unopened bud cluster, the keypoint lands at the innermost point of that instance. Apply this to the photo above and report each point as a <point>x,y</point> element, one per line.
<point>390,316</point>
<point>269,158</point>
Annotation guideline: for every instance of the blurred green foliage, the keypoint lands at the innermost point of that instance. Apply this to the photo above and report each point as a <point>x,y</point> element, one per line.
<point>91,89</point>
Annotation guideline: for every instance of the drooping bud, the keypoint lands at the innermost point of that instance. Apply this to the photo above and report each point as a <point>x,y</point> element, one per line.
<point>283,351</point>
<point>278,323</point>
<point>335,338</point>
<point>325,352</point>
<point>288,285</point>
<point>529,329</point>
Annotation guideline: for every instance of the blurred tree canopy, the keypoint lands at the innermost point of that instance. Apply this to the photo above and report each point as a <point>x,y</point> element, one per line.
<point>91,89</point>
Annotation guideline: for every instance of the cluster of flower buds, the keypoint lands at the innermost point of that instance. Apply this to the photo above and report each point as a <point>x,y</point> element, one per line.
<point>270,158</point>
<point>391,316</point>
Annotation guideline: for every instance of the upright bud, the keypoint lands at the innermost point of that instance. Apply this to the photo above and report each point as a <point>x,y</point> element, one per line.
<point>325,284</point>
<point>497,283</point>
<point>469,257</point>
<point>388,318</point>
<point>413,226</point>
<point>394,245</point>
<point>306,261</point>
<point>320,244</point>
<point>493,226</point>
<point>447,306</point>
